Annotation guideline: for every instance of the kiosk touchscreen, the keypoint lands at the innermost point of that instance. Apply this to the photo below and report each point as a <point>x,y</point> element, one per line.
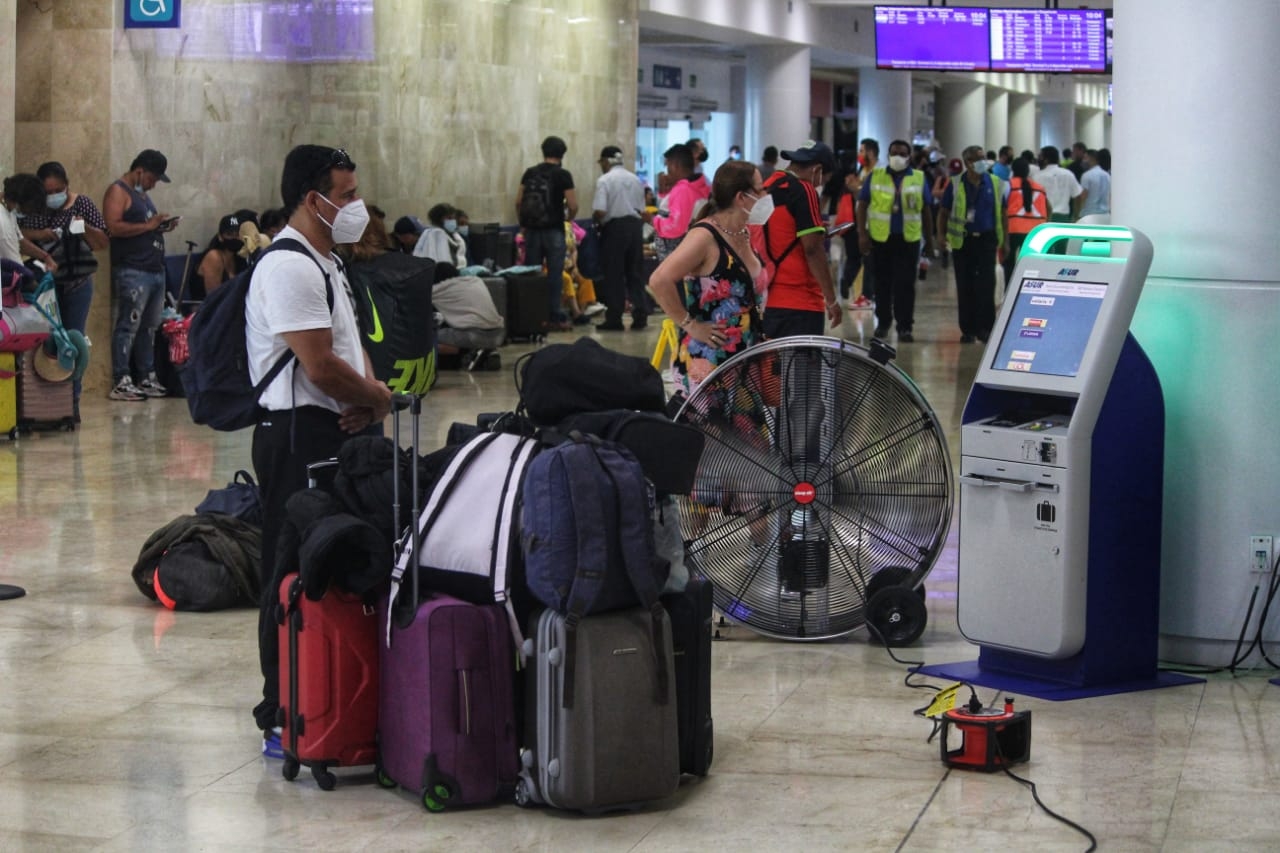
<point>1061,468</point>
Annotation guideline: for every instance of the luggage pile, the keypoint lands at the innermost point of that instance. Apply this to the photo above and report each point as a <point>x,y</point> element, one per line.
<point>540,639</point>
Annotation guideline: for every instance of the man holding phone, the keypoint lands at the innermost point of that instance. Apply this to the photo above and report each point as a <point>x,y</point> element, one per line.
<point>137,275</point>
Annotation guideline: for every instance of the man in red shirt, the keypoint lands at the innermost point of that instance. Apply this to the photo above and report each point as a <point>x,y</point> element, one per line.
<point>802,296</point>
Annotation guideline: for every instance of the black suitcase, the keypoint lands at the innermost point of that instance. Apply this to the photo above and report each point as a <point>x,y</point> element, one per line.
<point>528,311</point>
<point>690,613</point>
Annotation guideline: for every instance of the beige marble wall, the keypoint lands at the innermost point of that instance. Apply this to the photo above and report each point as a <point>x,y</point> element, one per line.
<point>452,108</point>
<point>63,110</point>
<point>8,78</point>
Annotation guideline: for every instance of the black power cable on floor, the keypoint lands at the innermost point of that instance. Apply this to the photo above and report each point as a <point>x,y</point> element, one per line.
<point>973,700</point>
<point>1035,795</point>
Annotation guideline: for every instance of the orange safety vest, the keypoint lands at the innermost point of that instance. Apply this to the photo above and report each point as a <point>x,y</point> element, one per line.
<point>1022,221</point>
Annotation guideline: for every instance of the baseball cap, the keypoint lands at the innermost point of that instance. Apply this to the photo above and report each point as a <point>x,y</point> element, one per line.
<point>813,152</point>
<point>935,156</point>
<point>152,161</point>
<point>408,225</point>
<point>229,224</point>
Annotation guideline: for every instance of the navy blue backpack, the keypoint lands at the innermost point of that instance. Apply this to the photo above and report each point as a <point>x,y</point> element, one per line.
<point>587,535</point>
<point>215,377</point>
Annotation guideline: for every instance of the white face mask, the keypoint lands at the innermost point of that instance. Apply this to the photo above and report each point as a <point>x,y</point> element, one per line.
<point>350,221</point>
<point>761,211</point>
<point>897,162</point>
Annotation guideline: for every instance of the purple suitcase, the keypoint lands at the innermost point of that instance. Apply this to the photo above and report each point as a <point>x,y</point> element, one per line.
<point>446,721</point>
<point>446,704</point>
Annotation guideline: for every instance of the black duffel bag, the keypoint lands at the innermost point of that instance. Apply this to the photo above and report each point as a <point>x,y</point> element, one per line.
<point>567,379</point>
<point>668,452</point>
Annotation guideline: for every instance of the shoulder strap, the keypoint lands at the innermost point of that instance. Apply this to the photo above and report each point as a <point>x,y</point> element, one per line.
<point>288,244</point>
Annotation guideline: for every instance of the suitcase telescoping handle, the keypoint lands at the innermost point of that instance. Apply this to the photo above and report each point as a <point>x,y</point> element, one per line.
<point>400,402</point>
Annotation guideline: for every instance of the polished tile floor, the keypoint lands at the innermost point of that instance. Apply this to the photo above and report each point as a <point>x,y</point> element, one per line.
<point>125,727</point>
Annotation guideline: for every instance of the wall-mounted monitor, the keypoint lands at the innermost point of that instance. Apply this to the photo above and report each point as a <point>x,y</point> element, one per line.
<point>935,38</point>
<point>1049,328</point>
<point>1047,41</point>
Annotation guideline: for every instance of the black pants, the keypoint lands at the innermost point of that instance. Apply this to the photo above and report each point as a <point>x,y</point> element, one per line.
<point>622,263</point>
<point>786,322</point>
<point>283,446</point>
<point>852,263</point>
<point>975,268</point>
<point>896,261</point>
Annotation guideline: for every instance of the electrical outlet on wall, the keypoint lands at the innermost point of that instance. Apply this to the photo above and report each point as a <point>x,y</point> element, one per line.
<point>1261,553</point>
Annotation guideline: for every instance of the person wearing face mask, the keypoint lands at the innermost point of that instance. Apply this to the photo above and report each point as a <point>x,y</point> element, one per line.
<point>300,301</point>
<point>440,240</point>
<point>70,227</point>
<point>137,231</point>
<point>619,209</point>
<point>973,217</point>
<point>710,284</point>
<point>221,260</point>
<point>894,212</point>
<point>24,199</point>
<point>802,294</point>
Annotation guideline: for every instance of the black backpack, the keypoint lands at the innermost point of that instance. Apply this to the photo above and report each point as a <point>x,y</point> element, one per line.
<point>215,377</point>
<point>536,207</point>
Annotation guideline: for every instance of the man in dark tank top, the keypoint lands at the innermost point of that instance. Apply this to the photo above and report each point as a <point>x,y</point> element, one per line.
<point>137,275</point>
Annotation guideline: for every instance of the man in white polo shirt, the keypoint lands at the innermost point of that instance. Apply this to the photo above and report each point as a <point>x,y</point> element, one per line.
<point>618,206</point>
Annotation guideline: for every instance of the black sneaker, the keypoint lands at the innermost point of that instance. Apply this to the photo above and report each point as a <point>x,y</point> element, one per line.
<point>906,338</point>
<point>882,331</point>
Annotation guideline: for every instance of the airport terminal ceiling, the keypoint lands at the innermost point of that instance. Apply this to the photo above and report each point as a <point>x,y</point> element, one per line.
<point>695,36</point>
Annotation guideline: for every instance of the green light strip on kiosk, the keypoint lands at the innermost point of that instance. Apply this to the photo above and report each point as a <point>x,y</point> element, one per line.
<point>1097,238</point>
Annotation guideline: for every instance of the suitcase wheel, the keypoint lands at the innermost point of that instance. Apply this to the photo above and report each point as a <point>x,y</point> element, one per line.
<point>436,797</point>
<point>384,780</point>
<point>326,780</point>
<point>524,797</point>
<point>290,769</point>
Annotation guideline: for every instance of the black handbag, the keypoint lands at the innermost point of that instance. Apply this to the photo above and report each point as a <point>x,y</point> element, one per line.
<point>239,499</point>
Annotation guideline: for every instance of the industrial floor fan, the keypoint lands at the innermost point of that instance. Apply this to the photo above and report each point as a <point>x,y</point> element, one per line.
<point>824,493</point>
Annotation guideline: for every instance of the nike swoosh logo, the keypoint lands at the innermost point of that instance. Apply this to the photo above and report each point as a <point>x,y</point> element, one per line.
<point>376,334</point>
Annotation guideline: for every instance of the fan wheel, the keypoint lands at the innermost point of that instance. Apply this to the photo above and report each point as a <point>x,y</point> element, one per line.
<point>826,475</point>
<point>897,616</point>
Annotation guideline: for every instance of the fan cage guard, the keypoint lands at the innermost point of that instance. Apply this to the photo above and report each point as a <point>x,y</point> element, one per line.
<point>823,466</point>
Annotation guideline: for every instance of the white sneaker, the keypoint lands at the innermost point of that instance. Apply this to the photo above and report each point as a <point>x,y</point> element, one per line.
<point>151,387</point>
<point>126,390</point>
<point>593,309</point>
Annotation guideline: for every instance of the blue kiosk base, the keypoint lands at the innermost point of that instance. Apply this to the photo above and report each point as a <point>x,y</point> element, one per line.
<point>971,672</point>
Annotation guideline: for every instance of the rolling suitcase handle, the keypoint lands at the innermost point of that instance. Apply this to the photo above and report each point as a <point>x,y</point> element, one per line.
<point>399,402</point>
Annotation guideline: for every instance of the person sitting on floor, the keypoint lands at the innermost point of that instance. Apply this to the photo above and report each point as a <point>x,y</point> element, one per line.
<point>469,325</point>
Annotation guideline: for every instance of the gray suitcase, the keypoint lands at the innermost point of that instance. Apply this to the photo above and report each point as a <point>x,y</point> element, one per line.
<point>618,745</point>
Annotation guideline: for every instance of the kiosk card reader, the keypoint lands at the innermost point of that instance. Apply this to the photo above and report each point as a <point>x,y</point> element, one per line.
<point>1062,456</point>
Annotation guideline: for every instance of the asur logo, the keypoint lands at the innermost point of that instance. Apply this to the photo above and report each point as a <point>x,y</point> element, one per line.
<point>1068,271</point>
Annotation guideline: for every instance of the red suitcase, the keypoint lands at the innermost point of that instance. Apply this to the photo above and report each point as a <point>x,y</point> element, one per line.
<point>328,682</point>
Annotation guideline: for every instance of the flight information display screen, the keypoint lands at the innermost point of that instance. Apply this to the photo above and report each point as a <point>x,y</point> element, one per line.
<point>1049,40</point>
<point>929,37</point>
<point>1050,326</point>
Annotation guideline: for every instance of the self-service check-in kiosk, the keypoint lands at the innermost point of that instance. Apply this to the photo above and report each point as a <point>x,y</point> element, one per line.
<point>1061,473</point>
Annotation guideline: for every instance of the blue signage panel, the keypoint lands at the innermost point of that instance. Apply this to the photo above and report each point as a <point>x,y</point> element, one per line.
<point>152,14</point>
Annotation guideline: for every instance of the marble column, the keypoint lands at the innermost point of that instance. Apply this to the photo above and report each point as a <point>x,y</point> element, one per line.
<point>884,106</point>
<point>1057,97</point>
<point>64,112</point>
<point>1022,122</point>
<point>962,116</point>
<point>777,95</point>
<point>1207,313</point>
<point>8,82</point>
<point>997,119</point>
<point>1090,127</point>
